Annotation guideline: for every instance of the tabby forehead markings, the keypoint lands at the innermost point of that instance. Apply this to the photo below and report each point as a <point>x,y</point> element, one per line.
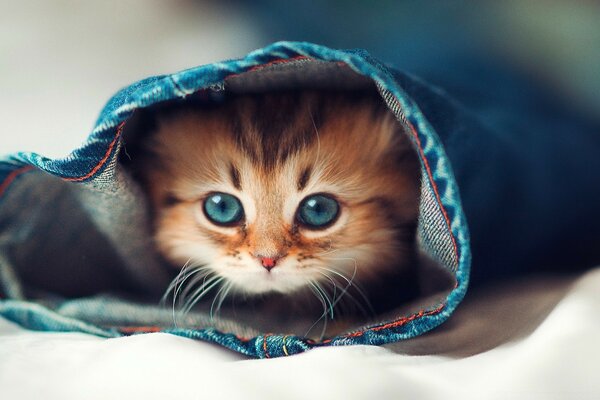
<point>271,132</point>
<point>304,178</point>
<point>234,174</point>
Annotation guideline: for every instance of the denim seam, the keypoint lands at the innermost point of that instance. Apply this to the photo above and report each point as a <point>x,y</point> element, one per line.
<point>107,156</point>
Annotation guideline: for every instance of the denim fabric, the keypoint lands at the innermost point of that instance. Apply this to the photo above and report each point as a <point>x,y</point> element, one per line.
<point>92,175</point>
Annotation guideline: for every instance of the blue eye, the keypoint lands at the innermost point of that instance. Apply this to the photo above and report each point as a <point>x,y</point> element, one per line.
<point>318,211</point>
<point>223,209</point>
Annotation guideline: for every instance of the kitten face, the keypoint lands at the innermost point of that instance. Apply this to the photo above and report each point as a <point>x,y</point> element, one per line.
<point>276,191</point>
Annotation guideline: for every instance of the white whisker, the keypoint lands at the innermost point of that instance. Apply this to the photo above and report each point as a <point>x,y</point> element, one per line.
<point>217,298</point>
<point>174,282</point>
<point>201,292</point>
<point>319,295</point>
<point>350,283</point>
<point>348,295</point>
<point>177,283</point>
<point>203,274</point>
<point>318,137</point>
<point>224,294</point>
<point>327,252</point>
<point>333,284</point>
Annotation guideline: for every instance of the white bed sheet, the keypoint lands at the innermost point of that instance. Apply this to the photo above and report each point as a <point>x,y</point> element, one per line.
<point>536,339</point>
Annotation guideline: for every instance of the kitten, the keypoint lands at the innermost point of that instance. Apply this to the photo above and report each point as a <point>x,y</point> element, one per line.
<point>285,192</point>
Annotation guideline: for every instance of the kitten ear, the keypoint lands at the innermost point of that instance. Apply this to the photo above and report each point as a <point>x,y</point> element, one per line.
<point>395,132</point>
<point>390,134</point>
<point>400,147</point>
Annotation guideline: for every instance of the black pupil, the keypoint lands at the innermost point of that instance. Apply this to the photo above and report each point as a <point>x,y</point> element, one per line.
<point>223,205</point>
<point>315,206</point>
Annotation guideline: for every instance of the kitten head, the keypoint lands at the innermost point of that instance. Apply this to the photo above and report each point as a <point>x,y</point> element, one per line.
<point>278,191</point>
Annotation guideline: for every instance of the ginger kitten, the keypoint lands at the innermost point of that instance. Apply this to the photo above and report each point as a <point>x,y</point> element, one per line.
<point>284,192</point>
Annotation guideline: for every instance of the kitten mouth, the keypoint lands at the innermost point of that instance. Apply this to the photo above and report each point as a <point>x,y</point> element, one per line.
<point>265,281</point>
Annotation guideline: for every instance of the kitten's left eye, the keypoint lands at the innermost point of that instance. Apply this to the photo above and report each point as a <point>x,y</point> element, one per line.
<point>223,209</point>
<point>318,211</point>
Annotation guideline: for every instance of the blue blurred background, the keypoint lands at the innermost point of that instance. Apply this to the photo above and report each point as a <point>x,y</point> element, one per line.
<point>60,60</point>
<point>552,43</point>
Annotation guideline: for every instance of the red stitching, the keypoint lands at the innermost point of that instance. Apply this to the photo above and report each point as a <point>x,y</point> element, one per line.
<point>399,322</point>
<point>435,189</point>
<point>265,345</point>
<point>274,62</point>
<point>278,61</point>
<point>138,329</point>
<point>12,176</point>
<point>104,159</point>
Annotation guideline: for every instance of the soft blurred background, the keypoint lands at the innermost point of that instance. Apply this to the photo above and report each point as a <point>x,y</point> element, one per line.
<point>61,60</point>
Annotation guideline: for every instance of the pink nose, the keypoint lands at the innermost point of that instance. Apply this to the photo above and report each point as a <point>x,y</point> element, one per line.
<point>268,262</point>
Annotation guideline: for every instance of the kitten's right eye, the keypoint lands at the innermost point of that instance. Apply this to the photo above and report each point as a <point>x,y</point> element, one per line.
<point>223,209</point>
